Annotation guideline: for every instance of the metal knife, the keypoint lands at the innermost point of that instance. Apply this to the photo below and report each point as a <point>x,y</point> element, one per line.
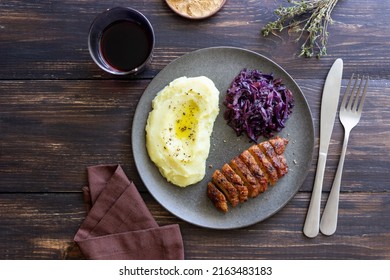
<point>330,100</point>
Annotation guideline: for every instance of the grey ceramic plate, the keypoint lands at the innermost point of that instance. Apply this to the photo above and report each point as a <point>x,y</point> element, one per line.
<point>222,64</point>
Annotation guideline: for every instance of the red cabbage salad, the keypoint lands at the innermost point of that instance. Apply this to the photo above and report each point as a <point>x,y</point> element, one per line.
<point>257,104</point>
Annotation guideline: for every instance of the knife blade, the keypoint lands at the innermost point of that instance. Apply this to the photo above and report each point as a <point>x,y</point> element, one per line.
<point>329,102</point>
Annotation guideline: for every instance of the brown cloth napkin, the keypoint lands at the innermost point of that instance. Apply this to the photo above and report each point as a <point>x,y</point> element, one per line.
<point>119,226</point>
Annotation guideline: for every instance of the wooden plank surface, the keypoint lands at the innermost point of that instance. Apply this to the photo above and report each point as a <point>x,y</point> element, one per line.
<point>41,226</point>
<point>48,39</point>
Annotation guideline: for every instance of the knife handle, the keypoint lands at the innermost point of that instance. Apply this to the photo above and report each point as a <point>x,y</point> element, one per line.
<point>328,222</point>
<point>312,222</point>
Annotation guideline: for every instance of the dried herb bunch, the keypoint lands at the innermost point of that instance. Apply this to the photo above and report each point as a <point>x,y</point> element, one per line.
<point>305,17</point>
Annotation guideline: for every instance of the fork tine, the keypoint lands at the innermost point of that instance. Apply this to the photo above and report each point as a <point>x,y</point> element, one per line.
<point>363,95</point>
<point>346,93</point>
<point>352,94</point>
<point>356,101</point>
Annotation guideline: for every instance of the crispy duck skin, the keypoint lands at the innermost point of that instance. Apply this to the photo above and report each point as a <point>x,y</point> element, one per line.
<point>279,144</point>
<point>217,197</point>
<point>265,164</point>
<point>248,174</point>
<point>255,169</point>
<point>249,180</point>
<point>236,181</point>
<point>272,156</point>
<point>226,187</point>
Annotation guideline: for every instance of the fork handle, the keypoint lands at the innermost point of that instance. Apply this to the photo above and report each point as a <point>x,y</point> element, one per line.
<point>312,222</point>
<point>329,216</point>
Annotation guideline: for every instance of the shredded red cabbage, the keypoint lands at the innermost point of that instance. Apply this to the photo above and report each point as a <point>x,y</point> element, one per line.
<point>257,104</point>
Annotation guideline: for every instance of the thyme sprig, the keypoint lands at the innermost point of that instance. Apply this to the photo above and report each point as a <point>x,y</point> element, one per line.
<point>305,17</point>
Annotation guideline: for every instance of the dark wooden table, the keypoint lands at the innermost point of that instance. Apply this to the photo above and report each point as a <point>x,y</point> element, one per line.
<point>60,113</point>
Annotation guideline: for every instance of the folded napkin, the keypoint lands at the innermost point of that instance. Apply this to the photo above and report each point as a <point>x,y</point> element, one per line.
<point>119,225</point>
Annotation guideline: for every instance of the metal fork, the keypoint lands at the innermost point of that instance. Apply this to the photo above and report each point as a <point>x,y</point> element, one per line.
<point>350,113</point>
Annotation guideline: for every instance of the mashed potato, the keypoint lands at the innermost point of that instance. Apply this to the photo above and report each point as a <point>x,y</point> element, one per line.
<point>179,128</point>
